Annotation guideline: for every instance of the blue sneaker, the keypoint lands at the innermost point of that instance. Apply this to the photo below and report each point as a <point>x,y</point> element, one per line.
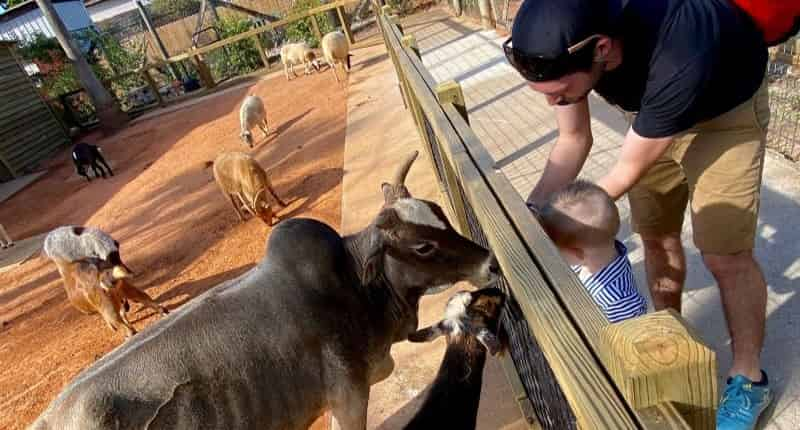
<point>742,403</point>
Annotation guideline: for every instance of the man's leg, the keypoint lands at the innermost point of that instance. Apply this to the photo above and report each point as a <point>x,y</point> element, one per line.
<point>665,264</point>
<point>744,300</point>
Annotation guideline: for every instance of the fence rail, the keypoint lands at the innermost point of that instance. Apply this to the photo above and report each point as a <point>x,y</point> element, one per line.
<point>568,367</point>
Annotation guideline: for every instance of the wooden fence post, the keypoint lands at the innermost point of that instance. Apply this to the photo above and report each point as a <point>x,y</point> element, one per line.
<point>658,358</point>
<point>315,27</point>
<point>450,92</point>
<point>152,84</point>
<point>345,25</point>
<point>203,72</point>
<point>261,51</point>
<point>487,20</point>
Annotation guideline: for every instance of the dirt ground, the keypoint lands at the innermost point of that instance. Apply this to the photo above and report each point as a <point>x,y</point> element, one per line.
<point>175,228</point>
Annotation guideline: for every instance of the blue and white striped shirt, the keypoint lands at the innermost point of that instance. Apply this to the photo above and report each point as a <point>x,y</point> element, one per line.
<point>613,288</point>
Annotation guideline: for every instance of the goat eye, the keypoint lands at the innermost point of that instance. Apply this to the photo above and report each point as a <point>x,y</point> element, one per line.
<point>424,249</point>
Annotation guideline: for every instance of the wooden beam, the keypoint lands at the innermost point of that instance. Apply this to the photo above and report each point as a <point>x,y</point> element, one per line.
<point>153,87</point>
<point>663,416</point>
<point>345,25</point>
<point>657,358</point>
<point>261,51</point>
<point>315,28</point>
<point>450,92</point>
<point>206,78</point>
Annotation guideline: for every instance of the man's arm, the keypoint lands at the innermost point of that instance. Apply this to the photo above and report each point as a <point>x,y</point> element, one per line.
<point>569,153</point>
<point>637,156</point>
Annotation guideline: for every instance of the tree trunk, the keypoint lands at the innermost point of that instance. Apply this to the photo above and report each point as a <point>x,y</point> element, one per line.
<point>108,112</point>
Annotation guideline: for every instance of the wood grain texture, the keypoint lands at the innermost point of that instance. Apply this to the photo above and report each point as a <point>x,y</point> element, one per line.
<point>657,358</point>
<point>663,416</point>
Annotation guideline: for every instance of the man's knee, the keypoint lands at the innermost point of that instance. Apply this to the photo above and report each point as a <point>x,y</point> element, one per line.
<point>662,242</point>
<point>725,265</point>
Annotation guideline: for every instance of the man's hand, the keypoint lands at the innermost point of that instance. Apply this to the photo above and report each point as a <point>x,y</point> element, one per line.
<point>568,154</point>
<point>637,156</point>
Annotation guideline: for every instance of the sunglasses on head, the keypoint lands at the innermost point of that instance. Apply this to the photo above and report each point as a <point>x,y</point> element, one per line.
<point>538,68</point>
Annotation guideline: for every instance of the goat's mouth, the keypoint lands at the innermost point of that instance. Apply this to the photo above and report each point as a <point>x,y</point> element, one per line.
<point>488,273</point>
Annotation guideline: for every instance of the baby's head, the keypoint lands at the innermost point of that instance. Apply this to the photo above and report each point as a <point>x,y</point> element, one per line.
<point>580,216</point>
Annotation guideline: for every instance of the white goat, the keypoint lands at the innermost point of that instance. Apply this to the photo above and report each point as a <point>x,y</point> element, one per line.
<point>294,54</point>
<point>252,114</point>
<point>244,182</point>
<point>336,50</point>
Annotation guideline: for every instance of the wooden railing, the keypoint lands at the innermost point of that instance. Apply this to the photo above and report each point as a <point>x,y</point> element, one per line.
<point>568,367</point>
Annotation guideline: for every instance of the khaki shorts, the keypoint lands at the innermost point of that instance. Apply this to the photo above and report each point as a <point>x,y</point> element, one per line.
<point>716,166</point>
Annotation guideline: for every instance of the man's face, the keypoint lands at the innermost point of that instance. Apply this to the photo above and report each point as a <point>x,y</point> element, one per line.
<point>569,89</point>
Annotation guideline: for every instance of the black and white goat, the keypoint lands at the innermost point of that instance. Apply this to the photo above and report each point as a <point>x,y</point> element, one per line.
<point>471,325</point>
<point>84,154</point>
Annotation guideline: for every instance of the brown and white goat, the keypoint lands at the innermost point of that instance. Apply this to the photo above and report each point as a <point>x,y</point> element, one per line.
<point>472,327</point>
<point>245,184</point>
<point>101,287</point>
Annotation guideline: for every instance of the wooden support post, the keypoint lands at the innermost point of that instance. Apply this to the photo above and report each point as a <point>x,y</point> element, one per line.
<point>450,92</point>
<point>206,78</point>
<point>487,20</point>
<point>159,44</point>
<point>261,51</point>
<point>457,9</point>
<point>345,25</point>
<point>410,42</point>
<point>315,27</point>
<point>386,10</point>
<point>658,358</point>
<point>152,84</point>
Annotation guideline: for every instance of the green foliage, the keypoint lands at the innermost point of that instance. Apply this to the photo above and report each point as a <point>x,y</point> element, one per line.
<point>174,7</point>
<point>237,58</point>
<point>12,3</point>
<point>303,30</point>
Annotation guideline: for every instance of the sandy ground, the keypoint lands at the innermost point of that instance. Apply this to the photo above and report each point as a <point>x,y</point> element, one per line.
<point>175,228</point>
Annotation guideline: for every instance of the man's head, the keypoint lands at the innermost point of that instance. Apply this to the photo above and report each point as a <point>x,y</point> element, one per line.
<point>563,47</point>
<point>582,215</point>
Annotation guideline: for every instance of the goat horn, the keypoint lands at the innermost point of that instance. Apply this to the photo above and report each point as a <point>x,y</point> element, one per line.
<point>400,176</point>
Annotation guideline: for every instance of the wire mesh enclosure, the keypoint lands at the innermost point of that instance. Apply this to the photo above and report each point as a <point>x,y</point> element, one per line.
<point>784,93</point>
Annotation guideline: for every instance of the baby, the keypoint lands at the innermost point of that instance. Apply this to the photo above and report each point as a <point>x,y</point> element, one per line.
<point>583,222</point>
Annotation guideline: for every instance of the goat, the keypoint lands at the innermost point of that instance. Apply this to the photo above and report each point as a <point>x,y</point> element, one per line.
<point>245,183</point>
<point>308,329</point>
<point>472,327</point>
<point>336,50</point>
<point>294,54</point>
<point>67,246</point>
<point>84,154</point>
<point>98,289</point>
<point>252,114</point>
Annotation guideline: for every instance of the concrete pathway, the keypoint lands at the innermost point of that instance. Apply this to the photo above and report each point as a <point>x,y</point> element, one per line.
<point>380,134</point>
<point>518,128</point>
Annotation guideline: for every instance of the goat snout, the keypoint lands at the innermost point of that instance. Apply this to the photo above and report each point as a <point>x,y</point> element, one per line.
<point>494,266</point>
<point>488,273</point>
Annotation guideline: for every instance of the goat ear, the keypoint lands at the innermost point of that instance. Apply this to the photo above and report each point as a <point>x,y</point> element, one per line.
<point>386,219</point>
<point>373,266</point>
<point>428,334</point>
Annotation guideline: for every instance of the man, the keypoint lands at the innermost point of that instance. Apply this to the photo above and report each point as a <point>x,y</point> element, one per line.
<point>692,71</point>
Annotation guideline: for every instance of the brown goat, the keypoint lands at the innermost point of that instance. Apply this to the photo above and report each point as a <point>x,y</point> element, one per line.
<point>244,182</point>
<point>99,287</point>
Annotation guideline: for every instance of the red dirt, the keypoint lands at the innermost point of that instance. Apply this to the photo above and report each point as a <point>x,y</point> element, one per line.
<point>176,229</point>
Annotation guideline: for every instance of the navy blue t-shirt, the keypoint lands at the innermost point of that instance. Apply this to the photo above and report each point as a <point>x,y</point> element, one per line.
<point>683,62</point>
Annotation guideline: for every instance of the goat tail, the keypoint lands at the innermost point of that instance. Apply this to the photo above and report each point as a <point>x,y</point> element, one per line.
<point>208,164</point>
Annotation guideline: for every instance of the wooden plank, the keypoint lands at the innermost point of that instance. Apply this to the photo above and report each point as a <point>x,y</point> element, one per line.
<point>592,397</point>
<point>663,416</point>
<point>520,395</point>
<point>153,87</point>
